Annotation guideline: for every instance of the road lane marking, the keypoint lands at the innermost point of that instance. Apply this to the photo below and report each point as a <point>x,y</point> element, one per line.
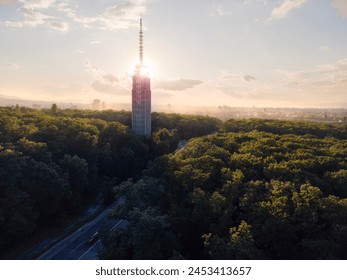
<point>71,252</point>
<point>89,250</point>
<point>116,225</point>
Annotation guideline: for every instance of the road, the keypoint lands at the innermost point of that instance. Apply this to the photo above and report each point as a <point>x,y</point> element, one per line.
<point>75,246</point>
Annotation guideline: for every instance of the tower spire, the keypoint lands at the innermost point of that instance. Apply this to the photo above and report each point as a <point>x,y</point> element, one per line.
<point>141,42</point>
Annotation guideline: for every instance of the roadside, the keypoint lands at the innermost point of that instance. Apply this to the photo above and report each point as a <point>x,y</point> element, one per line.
<point>59,234</point>
<point>77,244</point>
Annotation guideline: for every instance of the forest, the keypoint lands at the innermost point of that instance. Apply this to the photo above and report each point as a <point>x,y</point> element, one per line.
<point>54,162</point>
<point>240,189</point>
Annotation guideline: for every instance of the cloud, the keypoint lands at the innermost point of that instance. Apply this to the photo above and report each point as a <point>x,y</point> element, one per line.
<point>328,77</point>
<point>295,78</point>
<point>176,85</point>
<point>249,78</point>
<point>8,65</point>
<point>107,83</point>
<point>264,2</point>
<point>92,68</point>
<point>72,14</point>
<point>32,11</point>
<point>7,2</point>
<point>32,18</point>
<point>285,8</point>
<point>339,66</point>
<point>122,16</point>
<point>226,76</point>
<point>324,48</point>
<point>341,6</point>
<point>317,86</point>
<point>236,86</point>
<point>217,10</point>
<point>38,4</point>
<point>109,88</point>
<point>61,26</point>
<point>110,78</point>
<point>236,77</point>
<point>332,75</point>
<point>56,13</point>
<point>115,17</point>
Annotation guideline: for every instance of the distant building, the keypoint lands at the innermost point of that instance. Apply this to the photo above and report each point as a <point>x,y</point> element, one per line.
<point>96,104</point>
<point>36,106</point>
<point>141,96</point>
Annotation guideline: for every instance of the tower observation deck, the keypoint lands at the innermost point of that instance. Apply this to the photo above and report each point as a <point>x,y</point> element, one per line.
<point>141,95</point>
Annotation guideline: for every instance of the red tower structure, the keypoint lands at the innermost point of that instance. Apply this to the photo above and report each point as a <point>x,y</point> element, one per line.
<point>141,95</point>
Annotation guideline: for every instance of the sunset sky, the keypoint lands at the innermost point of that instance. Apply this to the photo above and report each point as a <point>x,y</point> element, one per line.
<point>264,53</point>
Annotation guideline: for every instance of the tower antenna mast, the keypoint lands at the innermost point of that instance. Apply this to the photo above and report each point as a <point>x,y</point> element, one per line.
<point>141,42</point>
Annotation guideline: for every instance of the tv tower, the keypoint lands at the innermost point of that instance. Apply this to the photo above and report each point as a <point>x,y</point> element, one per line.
<point>141,95</point>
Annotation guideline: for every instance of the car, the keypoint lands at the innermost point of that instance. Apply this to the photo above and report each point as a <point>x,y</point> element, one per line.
<point>93,238</point>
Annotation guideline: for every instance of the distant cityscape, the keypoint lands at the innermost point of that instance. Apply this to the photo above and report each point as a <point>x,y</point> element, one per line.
<point>222,112</point>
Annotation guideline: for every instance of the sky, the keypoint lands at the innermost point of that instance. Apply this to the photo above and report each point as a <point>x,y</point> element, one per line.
<point>239,53</point>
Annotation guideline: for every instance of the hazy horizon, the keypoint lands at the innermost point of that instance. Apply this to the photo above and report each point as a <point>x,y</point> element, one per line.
<point>241,53</point>
<point>165,108</point>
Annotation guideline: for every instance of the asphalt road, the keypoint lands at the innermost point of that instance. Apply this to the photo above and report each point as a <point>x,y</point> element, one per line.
<point>75,246</point>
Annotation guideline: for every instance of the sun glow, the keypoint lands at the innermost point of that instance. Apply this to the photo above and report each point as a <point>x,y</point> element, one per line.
<point>146,69</point>
<point>143,70</point>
